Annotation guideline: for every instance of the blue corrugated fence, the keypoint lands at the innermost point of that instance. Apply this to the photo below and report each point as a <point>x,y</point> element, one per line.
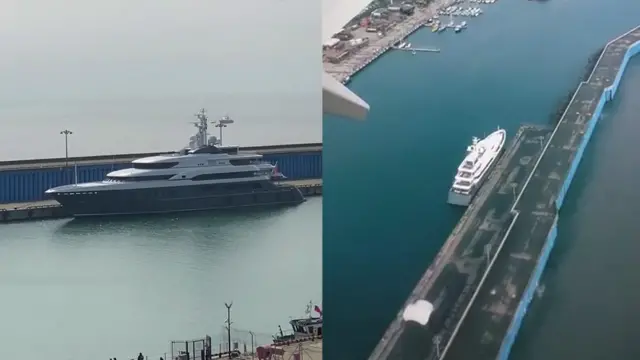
<point>30,185</point>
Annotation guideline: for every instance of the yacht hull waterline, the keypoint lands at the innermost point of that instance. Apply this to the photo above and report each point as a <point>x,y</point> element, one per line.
<point>481,157</point>
<point>172,199</point>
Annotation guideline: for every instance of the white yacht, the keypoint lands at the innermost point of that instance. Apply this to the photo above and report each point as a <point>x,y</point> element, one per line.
<point>207,178</point>
<point>476,166</point>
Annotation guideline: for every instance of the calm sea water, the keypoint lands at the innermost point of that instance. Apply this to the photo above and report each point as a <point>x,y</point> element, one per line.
<point>386,179</point>
<point>96,289</point>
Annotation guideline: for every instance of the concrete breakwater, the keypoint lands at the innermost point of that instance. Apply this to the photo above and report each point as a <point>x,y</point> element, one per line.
<point>564,103</point>
<point>500,271</point>
<point>592,94</point>
<point>504,298</point>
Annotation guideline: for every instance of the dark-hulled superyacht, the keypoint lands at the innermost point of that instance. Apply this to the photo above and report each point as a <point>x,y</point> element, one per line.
<point>206,178</point>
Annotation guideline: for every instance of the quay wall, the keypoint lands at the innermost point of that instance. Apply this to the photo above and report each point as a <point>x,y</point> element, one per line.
<point>607,95</point>
<point>29,184</point>
<point>527,296</point>
<point>634,49</point>
<point>393,42</point>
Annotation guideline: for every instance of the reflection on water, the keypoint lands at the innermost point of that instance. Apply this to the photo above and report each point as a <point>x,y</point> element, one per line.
<point>137,283</point>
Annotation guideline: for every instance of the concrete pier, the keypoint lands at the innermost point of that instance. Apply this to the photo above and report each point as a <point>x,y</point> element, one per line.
<point>494,319</point>
<point>501,270</point>
<point>457,270</point>
<point>434,50</point>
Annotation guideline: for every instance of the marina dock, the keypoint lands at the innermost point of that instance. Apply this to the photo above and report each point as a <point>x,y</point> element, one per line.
<point>379,46</point>
<point>435,50</point>
<point>490,266</point>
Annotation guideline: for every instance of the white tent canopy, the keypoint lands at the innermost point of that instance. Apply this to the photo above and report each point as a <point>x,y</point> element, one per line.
<point>336,98</point>
<point>420,312</point>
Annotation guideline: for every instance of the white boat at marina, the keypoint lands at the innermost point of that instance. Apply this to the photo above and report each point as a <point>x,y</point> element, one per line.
<point>476,166</point>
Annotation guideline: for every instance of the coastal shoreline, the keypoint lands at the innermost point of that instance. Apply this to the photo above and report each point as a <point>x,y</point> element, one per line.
<point>378,46</point>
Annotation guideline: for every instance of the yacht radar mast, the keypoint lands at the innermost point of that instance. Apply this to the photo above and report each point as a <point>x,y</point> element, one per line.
<point>200,139</point>
<point>222,123</point>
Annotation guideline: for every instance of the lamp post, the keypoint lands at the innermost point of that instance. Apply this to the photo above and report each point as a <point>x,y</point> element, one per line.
<point>222,123</point>
<point>66,134</point>
<point>229,326</point>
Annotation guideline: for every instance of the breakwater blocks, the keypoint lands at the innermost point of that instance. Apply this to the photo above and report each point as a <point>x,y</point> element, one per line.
<point>494,319</point>
<point>452,280</point>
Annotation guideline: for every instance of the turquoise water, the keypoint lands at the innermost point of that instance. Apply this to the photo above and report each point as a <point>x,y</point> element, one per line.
<point>386,179</point>
<point>77,290</point>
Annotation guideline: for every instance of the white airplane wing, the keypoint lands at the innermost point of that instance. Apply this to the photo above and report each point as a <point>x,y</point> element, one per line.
<point>336,98</point>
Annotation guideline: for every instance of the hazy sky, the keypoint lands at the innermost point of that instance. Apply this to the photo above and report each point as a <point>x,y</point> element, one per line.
<point>55,48</point>
<point>58,56</point>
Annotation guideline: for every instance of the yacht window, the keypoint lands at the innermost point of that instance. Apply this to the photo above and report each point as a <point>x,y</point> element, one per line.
<point>207,150</point>
<point>154,166</point>
<point>139,178</point>
<point>240,162</point>
<point>219,176</point>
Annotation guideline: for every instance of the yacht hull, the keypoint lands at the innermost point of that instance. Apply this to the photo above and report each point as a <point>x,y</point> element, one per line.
<point>460,199</point>
<point>173,200</point>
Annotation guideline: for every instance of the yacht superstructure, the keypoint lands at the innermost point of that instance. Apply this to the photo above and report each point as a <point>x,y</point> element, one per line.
<point>476,166</point>
<point>206,178</point>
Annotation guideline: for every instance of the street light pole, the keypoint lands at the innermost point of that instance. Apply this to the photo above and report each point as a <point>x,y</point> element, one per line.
<point>229,325</point>
<point>66,134</point>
